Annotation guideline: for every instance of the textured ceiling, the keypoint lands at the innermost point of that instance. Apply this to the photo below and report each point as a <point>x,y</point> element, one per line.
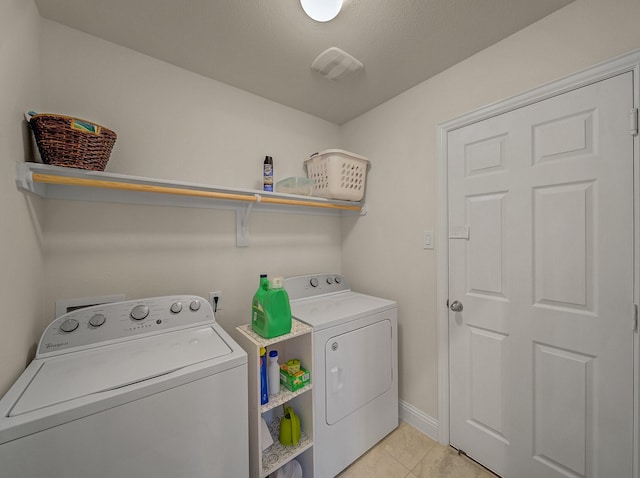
<point>266,47</point>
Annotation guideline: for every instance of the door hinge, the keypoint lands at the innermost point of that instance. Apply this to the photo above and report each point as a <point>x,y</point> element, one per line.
<point>633,122</point>
<point>635,318</point>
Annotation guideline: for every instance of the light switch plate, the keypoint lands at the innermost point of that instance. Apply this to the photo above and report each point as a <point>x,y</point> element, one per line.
<point>428,240</point>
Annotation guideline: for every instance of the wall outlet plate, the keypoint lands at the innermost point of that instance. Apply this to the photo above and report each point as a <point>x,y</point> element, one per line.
<point>216,300</point>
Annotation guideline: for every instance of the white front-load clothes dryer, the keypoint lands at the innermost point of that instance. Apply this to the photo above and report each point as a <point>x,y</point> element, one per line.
<point>355,367</point>
<point>151,388</point>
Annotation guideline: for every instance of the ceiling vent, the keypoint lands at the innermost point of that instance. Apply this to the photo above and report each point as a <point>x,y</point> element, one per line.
<point>335,64</point>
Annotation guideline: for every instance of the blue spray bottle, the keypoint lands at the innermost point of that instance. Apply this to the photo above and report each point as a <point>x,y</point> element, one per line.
<point>264,390</point>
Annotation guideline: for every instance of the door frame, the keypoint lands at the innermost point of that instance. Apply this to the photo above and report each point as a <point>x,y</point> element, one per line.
<point>629,62</point>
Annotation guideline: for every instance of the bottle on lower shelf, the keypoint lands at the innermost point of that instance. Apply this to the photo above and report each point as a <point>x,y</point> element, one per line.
<point>274,373</point>
<point>277,454</point>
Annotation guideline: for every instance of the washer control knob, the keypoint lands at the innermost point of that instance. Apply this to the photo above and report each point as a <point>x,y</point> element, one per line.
<point>329,280</point>
<point>97,320</point>
<point>139,312</point>
<point>176,307</point>
<point>194,305</point>
<point>338,279</point>
<point>69,325</point>
<point>314,282</point>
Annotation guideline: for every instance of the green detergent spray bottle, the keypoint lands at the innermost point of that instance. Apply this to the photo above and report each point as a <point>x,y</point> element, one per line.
<point>271,311</point>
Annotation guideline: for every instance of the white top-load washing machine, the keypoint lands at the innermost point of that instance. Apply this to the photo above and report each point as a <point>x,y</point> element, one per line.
<point>355,363</point>
<point>145,388</point>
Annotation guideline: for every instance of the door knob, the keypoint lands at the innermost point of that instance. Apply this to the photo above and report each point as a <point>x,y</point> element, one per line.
<point>456,306</point>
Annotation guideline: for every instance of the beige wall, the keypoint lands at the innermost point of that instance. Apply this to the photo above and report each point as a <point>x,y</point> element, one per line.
<point>176,125</point>
<point>21,285</point>
<point>382,252</point>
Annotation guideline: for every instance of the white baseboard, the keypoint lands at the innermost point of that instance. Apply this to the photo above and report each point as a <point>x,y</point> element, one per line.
<point>418,419</point>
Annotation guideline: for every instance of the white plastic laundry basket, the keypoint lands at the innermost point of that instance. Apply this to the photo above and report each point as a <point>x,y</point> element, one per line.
<point>338,174</point>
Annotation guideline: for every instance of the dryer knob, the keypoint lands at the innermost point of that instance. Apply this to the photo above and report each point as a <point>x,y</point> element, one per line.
<point>314,282</point>
<point>69,325</point>
<point>139,312</point>
<point>97,320</point>
<point>176,307</point>
<point>194,305</point>
<point>338,279</point>
<point>329,280</point>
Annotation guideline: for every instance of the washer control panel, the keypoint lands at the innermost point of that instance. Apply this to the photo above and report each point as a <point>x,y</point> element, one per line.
<point>314,284</point>
<point>112,322</point>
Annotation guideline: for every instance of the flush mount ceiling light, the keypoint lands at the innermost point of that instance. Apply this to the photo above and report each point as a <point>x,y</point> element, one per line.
<point>321,10</point>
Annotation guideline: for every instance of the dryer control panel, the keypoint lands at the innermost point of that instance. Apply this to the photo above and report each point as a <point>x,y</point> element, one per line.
<point>106,323</point>
<point>314,284</point>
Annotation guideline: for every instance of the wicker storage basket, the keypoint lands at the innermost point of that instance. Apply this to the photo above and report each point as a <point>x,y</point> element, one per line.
<point>338,174</point>
<point>72,142</point>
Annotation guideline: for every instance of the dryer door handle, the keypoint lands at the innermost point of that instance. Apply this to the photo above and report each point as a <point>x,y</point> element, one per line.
<point>336,379</point>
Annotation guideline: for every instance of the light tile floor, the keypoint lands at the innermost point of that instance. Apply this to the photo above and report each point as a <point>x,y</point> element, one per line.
<point>408,453</point>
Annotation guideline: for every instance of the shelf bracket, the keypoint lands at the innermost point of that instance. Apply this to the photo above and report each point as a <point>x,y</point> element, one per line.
<point>242,223</point>
<point>24,177</point>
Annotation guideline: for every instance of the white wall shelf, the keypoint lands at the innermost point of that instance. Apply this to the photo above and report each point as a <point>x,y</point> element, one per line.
<point>57,182</point>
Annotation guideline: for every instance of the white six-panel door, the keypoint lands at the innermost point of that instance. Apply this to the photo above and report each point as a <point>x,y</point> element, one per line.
<point>541,258</point>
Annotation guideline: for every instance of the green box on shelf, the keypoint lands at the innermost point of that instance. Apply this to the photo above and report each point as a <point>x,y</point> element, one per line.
<point>296,381</point>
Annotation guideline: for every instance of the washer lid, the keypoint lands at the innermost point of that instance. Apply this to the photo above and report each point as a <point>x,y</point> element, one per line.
<point>331,309</point>
<point>74,375</point>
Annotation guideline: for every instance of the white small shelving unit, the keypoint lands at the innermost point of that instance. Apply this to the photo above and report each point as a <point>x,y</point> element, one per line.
<point>297,344</point>
<point>58,182</point>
